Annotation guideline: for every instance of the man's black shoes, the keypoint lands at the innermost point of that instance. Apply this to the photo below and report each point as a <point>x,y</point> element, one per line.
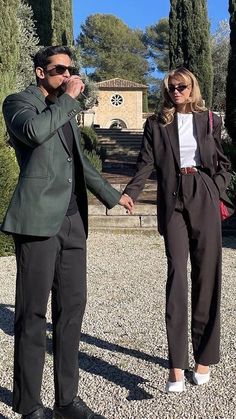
<point>37,414</point>
<point>77,409</point>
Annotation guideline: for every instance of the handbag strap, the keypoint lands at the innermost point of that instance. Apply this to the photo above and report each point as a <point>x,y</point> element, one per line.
<point>210,121</point>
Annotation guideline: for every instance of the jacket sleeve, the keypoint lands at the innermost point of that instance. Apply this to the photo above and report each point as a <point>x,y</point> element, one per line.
<point>222,174</point>
<point>31,127</point>
<point>145,164</point>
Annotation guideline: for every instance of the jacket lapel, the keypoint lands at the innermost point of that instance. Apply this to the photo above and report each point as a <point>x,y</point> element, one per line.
<point>75,129</point>
<point>64,142</point>
<point>173,137</point>
<point>200,120</point>
<point>38,98</point>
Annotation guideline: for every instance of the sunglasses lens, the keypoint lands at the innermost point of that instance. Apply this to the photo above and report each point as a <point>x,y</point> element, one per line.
<point>61,69</point>
<point>180,88</point>
<point>73,71</point>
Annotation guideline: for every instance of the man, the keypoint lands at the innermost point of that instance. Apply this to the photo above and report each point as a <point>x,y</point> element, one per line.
<point>47,217</point>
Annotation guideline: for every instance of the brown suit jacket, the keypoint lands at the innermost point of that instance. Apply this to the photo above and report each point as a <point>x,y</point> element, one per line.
<point>160,150</point>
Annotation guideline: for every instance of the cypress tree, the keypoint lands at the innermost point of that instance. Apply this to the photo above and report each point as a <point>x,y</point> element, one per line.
<point>28,46</point>
<point>9,54</point>
<point>230,120</point>
<point>42,10</point>
<point>62,22</point>
<point>190,44</point>
<point>54,21</point>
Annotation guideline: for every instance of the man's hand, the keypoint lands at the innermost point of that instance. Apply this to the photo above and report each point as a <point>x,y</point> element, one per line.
<point>127,202</point>
<point>73,86</point>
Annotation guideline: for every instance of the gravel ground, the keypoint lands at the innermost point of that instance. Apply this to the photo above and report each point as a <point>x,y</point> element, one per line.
<point>123,353</point>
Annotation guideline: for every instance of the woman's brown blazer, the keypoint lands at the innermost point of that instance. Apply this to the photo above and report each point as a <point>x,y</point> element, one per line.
<point>160,150</point>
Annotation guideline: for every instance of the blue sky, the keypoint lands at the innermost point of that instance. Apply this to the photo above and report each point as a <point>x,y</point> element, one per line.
<point>140,13</point>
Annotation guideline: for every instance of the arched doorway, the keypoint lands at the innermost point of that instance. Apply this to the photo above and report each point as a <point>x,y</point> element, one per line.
<point>117,124</point>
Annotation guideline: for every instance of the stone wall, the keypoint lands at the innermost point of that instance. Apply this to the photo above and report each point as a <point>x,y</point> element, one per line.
<point>129,111</point>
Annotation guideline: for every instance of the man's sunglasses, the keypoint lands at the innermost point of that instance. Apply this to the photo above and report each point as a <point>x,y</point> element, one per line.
<point>180,88</point>
<point>60,69</point>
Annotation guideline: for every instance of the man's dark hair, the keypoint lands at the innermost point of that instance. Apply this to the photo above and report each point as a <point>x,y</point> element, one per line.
<point>41,59</point>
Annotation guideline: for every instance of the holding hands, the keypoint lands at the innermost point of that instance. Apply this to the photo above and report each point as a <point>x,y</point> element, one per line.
<point>127,202</point>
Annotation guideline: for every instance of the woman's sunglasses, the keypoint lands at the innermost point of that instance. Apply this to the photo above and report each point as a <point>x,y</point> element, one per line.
<point>60,69</point>
<point>180,88</point>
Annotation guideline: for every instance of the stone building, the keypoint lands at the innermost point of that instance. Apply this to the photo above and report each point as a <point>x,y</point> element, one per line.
<point>120,105</point>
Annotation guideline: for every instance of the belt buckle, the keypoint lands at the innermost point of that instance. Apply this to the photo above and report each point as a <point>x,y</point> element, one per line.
<point>188,170</point>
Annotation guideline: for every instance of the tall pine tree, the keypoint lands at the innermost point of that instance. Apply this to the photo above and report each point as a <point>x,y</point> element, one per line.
<point>190,44</point>
<point>230,120</point>
<point>54,21</point>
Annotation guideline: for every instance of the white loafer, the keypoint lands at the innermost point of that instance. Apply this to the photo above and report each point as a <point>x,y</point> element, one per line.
<point>200,379</point>
<point>175,386</point>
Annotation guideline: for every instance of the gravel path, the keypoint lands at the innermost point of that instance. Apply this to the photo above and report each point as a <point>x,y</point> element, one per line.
<point>123,353</point>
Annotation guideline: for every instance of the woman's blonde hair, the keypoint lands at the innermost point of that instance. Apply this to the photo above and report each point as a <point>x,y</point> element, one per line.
<point>195,99</point>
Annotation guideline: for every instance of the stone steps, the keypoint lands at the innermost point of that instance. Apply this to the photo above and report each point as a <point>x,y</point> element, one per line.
<point>144,216</point>
<point>122,148</point>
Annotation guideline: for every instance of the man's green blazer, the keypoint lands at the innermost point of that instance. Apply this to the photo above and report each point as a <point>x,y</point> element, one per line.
<point>43,191</point>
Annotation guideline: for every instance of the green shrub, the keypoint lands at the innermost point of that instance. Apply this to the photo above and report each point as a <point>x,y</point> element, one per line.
<point>6,245</point>
<point>230,151</point>
<point>89,138</point>
<point>93,151</point>
<point>8,178</point>
<point>94,159</point>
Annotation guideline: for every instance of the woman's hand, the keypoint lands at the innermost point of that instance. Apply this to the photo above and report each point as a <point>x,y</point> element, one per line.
<point>127,203</point>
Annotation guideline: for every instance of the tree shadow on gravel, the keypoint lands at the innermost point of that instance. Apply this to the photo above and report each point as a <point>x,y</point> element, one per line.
<point>5,397</point>
<point>229,242</point>
<point>98,366</point>
<point>7,319</point>
<point>131,382</point>
<point>91,363</point>
<point>103,344</point>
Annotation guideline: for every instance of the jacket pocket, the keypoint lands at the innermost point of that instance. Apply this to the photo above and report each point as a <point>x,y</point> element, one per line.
<point>210,185</point>
<point>36,163</point>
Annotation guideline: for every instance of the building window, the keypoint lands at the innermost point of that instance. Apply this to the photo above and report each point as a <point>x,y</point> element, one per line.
<point>117,100</point>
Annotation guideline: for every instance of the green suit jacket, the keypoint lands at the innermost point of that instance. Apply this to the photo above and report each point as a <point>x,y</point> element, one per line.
<point>43,191</point>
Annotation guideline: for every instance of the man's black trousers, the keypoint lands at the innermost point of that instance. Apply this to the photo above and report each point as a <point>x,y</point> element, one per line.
<point>56,264</point>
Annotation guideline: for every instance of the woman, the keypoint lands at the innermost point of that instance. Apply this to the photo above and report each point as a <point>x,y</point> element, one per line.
<point>193,175</point>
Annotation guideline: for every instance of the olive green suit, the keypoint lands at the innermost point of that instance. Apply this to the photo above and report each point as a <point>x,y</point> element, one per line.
<point>42,195</point>
<point>50,242</point>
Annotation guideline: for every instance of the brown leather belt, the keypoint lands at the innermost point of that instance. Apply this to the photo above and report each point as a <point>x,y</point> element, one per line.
<point>188,170</point>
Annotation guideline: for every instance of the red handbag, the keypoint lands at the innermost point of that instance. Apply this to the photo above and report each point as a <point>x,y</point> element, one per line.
<point>224,212</point>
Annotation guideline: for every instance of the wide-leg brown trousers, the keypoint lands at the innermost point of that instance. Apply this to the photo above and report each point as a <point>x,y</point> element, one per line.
<point>194,229</point>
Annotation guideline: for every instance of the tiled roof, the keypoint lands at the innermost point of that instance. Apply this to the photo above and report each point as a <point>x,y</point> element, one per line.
<point>120,83</point>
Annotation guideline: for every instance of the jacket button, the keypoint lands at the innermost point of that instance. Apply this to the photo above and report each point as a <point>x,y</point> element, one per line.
<point>69,159</point>
<point>174,193</point>
<point>70,180</point>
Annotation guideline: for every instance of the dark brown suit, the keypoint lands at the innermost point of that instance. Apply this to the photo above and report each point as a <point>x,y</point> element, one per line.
<point>189,220</point>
